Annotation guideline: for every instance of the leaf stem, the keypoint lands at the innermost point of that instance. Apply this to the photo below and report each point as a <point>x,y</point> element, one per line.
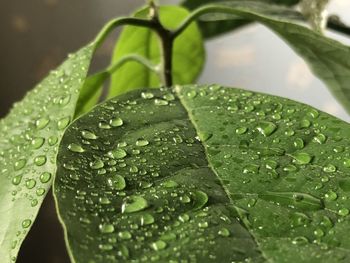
<point>167,44</point>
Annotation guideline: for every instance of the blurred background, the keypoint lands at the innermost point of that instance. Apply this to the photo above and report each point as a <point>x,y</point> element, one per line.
<point>38,34</point>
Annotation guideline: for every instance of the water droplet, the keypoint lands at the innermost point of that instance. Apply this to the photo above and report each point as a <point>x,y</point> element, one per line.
<point>266,128</point>
<point>224,232</point>
<point>117,182</point>
<point>169,97</point>
<point>30,183</point>
<point>63,123</point>
<point>134,204</point>
<point>320,138</point>
<point>73,147</point>
<point>142,143</point>
<point>319,232</point>
<point>313,113</point>
<point>241,130</point>
<point>331,195</point>
<point>20,164</point>
<point>17,179</point>
<point>147,219</point>
<point>191,94</point>
<point>88,135</point>
<point>329,168</point>
<point>53,140</point>
<point>117,153</point>
<point>117,122</point>
<point>200,199</point>
<point>305,123</point>
<point>160,102</point>
<point>203,224</point>
<point>301,158</point>
<point>170,184</point>
<point>42,123</point>
<point>97,164</point>
<point>26,223</point>
<point>300,241</point>
<point>147,95</point>
<point>343,211</point>
<point>40,191</point>
<point>298,143</point>
<point>347,163</point>
<point>45,177</point>
<point>40,160</point>
<point>106,228</point>
<point>158,245</point>
<point>124,235</point>
<point>37,142</point>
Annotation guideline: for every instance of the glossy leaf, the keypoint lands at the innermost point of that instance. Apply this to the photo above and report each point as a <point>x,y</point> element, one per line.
<point>29,138</point>
<point>206,174</point>
<point>328,59</point>
<point>215,28</point>
<point>30,134</point>
<point>188,53</point>
<point>91,92</point>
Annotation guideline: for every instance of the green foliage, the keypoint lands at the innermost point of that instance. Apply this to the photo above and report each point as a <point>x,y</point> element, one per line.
<point>188,53</point>
<point>328,59</point>
<point>217,28</point>
<point>153,172</point>
<point>196,173</point>
<point>29,139</point>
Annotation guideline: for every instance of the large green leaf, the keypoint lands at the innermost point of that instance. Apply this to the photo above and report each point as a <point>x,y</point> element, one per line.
<point>328,59</point>
<point>188,53</point>
<point>205,174</point>
<point>215,28</point>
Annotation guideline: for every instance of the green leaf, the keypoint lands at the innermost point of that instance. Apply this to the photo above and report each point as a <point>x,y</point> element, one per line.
<point>28,146</point>
<point>205,174</point>
<point>29,140</point>
<point>328,59</point>
<point>216,28</point>
<point>91,92</point>
<point>188,53</point>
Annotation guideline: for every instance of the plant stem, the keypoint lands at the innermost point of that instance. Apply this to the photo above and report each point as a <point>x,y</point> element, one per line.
<point>167,43</point>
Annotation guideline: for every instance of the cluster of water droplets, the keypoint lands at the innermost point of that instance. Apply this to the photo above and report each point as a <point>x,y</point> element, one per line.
<point>284,164</point>
<point>29,140</point>
<point>134,185</point>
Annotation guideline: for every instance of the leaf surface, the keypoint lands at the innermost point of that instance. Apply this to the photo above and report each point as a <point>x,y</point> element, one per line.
<point>216,28</point>
<point>188,53</point>
<point>207,174</point>
<point>328,59</point>
<point>30,134</point>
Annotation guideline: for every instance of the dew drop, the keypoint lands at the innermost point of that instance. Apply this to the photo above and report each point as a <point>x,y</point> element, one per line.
<point>40,160</point>
<point>45,177</point>
<point>142,143</point>
<point>63,123</point>
<point>301,158</point>
<point>134,204</point>
<point>88,135</point>
<point>241,130</point>
<point>224,232</point>
<point>329,168</point>
<point>30,183</point>
<point>19,164</point>
<point>266,128</point>
<point>117,122</point>
<point>117,182</point>
<point>106,228</point>
<point>37,142</point>
<point>117,153</point>
<point>26,223</point>
<point>160,102</point>
<point>158,245</point>
<point>73,147</point>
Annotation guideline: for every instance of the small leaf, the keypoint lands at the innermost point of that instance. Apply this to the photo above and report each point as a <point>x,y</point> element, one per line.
<point>188,53</point>
<point>189,186</point>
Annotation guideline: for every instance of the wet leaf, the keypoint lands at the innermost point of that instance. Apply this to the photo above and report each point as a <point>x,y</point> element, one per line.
<point>328,59</point>
<point>188,53</point>
<point>216,28</point>
<point>30,135</point>
<point>211,174</point>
